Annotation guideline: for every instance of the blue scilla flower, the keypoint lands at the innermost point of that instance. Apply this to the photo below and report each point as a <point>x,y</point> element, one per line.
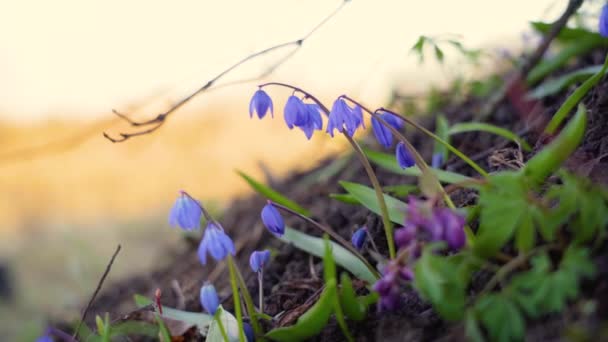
<point>209,299</point>
<point>259,259</point>
<point>45,338</point>
<point>359,237</point>
<point>186,212</point>
<point>249,333</point>
<point>383,134</point>
<point>604,21</point>
<point>260,103</point>
<point>437,160</point>
<point>404,157</point>
<point>294,112</point>
<point>342,117</point>
<point>273,220</point>
<point>216,242</point>
<point>311,120</point>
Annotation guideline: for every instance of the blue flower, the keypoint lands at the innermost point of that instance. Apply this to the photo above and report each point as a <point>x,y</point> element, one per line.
<point>311,120</point>
<point>342,117</point>
<point>604,21</point>
<point>249,333</point>
<point>259,259</point>
<point>294,112</point>
<point>272,220</point>
<point>359,237</point>
<point>216,242</point>
<point>186,212</point>
<point>404,157</point>
<point>260,103</point>
<point>209,298</point>
<point>437,160</point>
<point>45,338</point>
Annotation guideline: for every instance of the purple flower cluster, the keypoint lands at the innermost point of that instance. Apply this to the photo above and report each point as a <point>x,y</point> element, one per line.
<point>425,223</point>
<point>307,116</point>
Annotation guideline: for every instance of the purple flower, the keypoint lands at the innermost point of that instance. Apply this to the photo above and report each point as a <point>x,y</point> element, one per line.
<point>359,237</point>
<point>249,333</point>
<point>294,112</point>
<point>186,212</point>
<point>311,120</point>
<point>392,284</point>
<point>259,259</point>
<point>383,134</point>
<point>260,103</point>
<point>216,242</point>
<point>273,220</point>
<point>604,21</point>
<point>45,338</point>
<point>437,160</point>
<point>452,225</point>
<point>404,157</point>
<point>405,235</point>
<point>209,298</point>
<point>342,117</point>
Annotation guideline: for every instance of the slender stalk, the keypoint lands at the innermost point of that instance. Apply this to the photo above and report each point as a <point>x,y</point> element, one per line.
<point>331,233</point>
<point>386,221</point>
<point>261,290</point>
<point>220,325</point>
<point>452,149</point>
<point>236,298</point>
<point>257,329</point>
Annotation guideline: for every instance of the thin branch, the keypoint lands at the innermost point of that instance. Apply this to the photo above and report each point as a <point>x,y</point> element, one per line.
<point>161,118</point>
<point>99,284</point>
<point>532,61</point>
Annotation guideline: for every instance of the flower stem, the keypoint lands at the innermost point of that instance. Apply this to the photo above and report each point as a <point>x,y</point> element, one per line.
<point>220,325</point>
<point>236,298</point>
<point>386,221</point>
<point>331,233</point>
<point>261,290</point>
<point>249,303</point>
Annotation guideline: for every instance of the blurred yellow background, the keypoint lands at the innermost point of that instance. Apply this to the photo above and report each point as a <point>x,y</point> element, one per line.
<point>68,196</point>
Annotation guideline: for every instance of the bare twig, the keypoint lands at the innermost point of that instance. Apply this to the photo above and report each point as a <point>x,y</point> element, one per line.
<point>99,284</point>
<point>532,61</point>
<point>158,121</point>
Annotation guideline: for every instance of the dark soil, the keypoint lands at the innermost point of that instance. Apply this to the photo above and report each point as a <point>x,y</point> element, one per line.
<point>294,276</point>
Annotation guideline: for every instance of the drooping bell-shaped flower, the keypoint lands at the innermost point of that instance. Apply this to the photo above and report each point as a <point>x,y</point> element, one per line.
<point>258,260</point>
<point>404,157</point>
<point>186,212</point>
<point>260,103</point>
<point>311,120</point>
<point>294,112</point>
<point>343,118</point>
<point>273,220</point>
<point>383,134</point>
<point>604,21</point>
<point>209,299</point>
<point>215,242</point>
<point>359,237</point>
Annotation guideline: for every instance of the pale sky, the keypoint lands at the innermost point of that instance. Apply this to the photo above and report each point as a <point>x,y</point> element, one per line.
<point>75,57</point>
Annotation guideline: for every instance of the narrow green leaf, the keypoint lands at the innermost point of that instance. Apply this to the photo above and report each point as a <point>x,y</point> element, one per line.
<point>367,196</point>
<point>201,320</point>
<point>163,331</point>
<point>312,321</point>
<point>272,194</point>
<point>329,274</point>
<point>489,128</point>
<point>354,307</point>
<point>343,257</point>
<point>574,99</point>
<point>230,325</point>
<point>345,198</point>
<point>566,34</point>
<point>442,131</point>
<point>133,328</point>
<point>389,163</point>
<point>554,86</point>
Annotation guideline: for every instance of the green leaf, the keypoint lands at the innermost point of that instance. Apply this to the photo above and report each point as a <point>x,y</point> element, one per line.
<point>367,196</point>
<point>439,54</point>
<point>133,328</point>
<point>472,330</point>
<point>345,198</point>
<point>442,131</point>
<point>201,320</point>
<point>418,48</point>
<point>437,280</point>
<point>485,127</point>
<point>272,194</point>
<point>554,86</point>
<point>230,325</point>
<point>501,318</point>
<point>505,210</point>
<point>389,163</point>
<point>566,34</point>
<point>162,328</point>
<point>312,321</point>
<point>354,308</point>
<point>575,98</point>
<point>325,173</point>
<point>343,257</point>
<point>573,49</point>
<point>329,274</point>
